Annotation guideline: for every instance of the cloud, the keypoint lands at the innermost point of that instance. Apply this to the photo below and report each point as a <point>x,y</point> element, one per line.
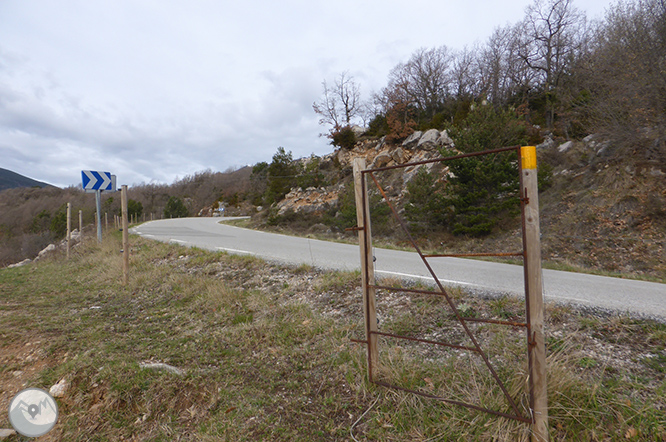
<point>153,90</point>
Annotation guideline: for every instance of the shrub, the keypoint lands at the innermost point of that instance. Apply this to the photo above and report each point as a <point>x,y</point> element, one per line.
<point>134,209</point>
<point>59,222</point>
<point>378,126</point>
<point>344,138</point>
<point>175,208</point>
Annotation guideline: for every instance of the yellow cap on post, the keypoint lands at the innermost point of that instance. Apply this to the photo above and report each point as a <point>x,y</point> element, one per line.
<point>528,157</point>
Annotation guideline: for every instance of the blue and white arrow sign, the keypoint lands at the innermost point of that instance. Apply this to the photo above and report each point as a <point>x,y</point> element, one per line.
<point>93,180</point>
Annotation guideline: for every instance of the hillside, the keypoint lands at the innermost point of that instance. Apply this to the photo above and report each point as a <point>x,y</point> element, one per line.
<point>31,217</point>
<point>603,206</point>
<point>11,180</point>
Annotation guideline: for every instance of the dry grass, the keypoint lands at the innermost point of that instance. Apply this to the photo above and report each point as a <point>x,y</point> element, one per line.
<point>265,353</point>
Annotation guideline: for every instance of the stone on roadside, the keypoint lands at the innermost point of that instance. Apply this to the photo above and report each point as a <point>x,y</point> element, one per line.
<point>59,389</point>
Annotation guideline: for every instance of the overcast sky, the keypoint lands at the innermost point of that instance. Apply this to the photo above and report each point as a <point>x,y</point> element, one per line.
<point>154,90</point>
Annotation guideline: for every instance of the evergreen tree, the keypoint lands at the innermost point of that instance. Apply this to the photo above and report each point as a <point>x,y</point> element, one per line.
<point>175,208</point>
<point>282,176</point>
<point>485,189</point>
<point>426,205</point>
<point>134,209</point>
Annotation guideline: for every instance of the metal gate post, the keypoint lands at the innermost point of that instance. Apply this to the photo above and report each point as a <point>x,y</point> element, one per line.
<point>367,267</point>
<point>534,290</point>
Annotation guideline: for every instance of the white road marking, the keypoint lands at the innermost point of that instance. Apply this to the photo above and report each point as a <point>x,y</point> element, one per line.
<point>177,241</point>
<point>428,278</point>
<point>226,249</point>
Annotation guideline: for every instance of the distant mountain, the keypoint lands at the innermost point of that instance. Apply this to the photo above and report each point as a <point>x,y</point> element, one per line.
<point>10,180</point>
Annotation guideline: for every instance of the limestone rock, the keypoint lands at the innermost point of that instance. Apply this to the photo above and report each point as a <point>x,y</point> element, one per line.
<point>412,140</point>
<point>20,264</point>
<point>429,140</point>
<point>548,142</point>
<point>59,389</point>
<point>445,140</point>
<point>49,249</point>
<point>161,367</point>
<point>311,200</point>
<point>358,130</point>
<point>565,146</point>
<point>398,155</point>
<point>381,160</point>
<point>75,235</point>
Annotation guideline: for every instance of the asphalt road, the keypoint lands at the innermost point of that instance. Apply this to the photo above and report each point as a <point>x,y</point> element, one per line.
<point>634,297</point>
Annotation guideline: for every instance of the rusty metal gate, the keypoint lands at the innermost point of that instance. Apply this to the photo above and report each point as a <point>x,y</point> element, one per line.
<point>537,413</point>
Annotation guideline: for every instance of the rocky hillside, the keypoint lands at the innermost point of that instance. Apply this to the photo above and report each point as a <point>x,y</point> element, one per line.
<point>606,207</point>
<point>419,146</point>
<point>603,207</point>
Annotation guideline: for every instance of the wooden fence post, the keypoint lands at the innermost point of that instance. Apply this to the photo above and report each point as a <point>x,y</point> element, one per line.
<point>125,227</point>
<point>81,225</point>
<point>69,227</point>
<point>534,290</point>
<point>367,264</point>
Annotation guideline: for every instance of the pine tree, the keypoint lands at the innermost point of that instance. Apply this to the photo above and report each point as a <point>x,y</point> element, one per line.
<point>485,189</point>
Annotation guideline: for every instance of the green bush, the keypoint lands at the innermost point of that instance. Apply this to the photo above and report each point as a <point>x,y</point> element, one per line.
<point>40,223</point>
<point>378,126</point>
<point>134,209</point>
<point>175,208</point>
<point>59,222</point>
<point>344,138</point>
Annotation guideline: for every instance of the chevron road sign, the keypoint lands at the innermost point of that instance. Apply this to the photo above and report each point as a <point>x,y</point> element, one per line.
<point>93,180</point>
<point>98,182</point>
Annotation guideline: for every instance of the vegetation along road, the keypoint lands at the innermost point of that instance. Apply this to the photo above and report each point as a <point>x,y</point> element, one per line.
<point>631,296</point>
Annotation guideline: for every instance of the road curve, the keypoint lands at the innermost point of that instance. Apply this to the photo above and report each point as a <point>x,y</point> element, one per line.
<point>630,296</point>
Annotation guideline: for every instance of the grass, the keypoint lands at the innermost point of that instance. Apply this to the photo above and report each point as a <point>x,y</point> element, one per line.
<point>265,354</point>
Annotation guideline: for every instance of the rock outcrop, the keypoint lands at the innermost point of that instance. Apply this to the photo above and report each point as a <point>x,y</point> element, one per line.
<point>312,200</point>
<point>377,153</point>
<point>419,146</point>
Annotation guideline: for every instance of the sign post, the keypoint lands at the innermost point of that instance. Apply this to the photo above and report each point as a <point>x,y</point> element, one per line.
<point>98,204</point>
<point>98,182</point>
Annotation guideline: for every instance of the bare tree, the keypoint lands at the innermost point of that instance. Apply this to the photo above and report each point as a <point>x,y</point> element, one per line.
<point>464,76</point>
<point>423,81</point>
<point>502,73</point>
<point>625,73</point>
<point>551,38</point>
<point>350,94</point>
<point>327,107</point>
<point>340,104</point>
